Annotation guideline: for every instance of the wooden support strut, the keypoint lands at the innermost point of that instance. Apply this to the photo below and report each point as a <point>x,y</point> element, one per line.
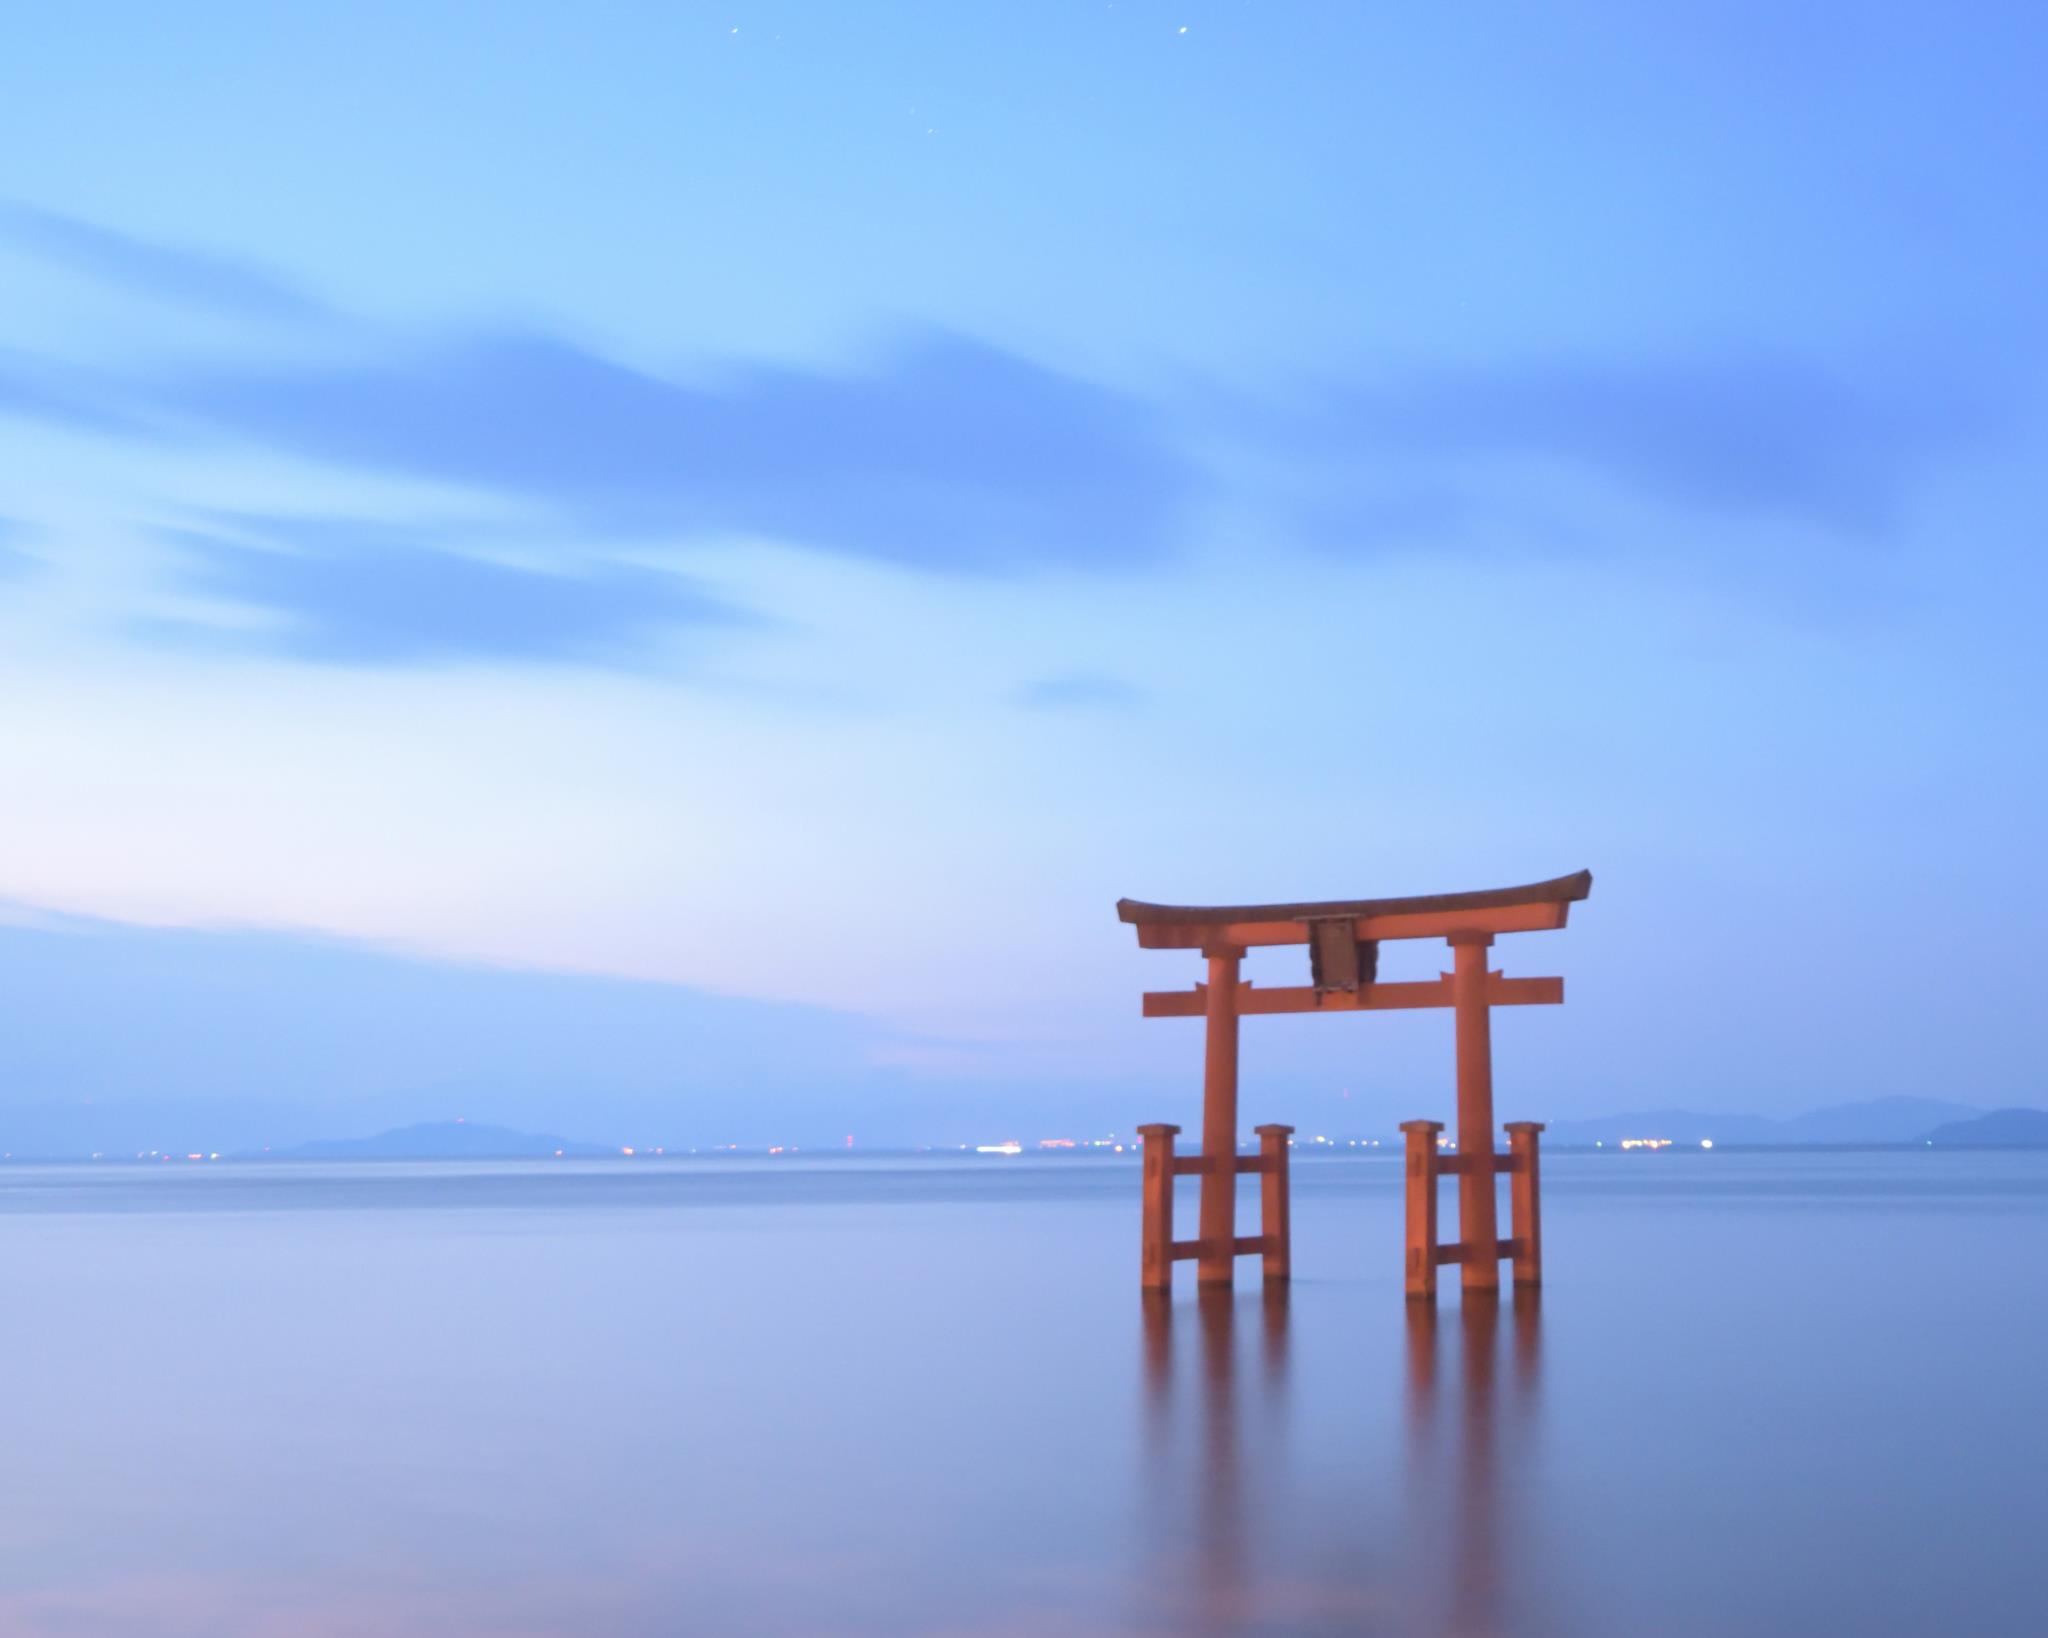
<point>1422,1162</point>
<point>1159,1250</point>
<point>1276,1232</point>
<point>1525,1200</point>
<point>1155,1257</point>
<point>1426,1163</point>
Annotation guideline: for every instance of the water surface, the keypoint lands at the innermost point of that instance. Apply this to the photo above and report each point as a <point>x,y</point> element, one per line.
<point>1762,1393</point>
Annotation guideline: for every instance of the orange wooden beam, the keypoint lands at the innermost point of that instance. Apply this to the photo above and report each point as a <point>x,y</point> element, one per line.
<point>1433,992</point>
<point>1508,918</point>
<point>1241,1245</point>
<point>1202,1165</point>
<point>1454,1165</point>
<point>1462,1253</point>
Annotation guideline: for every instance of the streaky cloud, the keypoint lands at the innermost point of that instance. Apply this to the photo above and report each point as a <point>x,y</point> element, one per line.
<point>343,593</point>
<point>1730,436</point>
<point>1080,691</point>
<point>945,454</point>
<point>14,562</point>
<point>192,278</point>
<point>61,396</point>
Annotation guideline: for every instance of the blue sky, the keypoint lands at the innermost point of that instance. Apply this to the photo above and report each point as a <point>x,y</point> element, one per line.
<point>805,505</point>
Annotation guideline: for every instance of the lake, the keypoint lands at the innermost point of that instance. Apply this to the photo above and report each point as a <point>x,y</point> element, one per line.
<point>1762,1393</point>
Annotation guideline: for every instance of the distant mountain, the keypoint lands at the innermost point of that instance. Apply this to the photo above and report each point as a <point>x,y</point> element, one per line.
<point>2001,1129</point>
<point>1881,1120</point>
<point>443,1140</point>
<point>1877,1120</point>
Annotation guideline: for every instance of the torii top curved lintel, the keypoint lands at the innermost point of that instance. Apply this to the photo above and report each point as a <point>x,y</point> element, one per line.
<point>1534,908</point>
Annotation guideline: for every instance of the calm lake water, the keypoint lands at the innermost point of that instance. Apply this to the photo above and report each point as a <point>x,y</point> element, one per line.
<point>1763,1393</point>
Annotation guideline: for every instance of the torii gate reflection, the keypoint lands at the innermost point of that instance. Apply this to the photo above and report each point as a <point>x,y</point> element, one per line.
<point>1254,1533</point>
<point>1343,937</point>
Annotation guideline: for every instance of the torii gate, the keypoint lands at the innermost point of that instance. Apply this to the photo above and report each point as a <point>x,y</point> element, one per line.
<point>1343,937</point>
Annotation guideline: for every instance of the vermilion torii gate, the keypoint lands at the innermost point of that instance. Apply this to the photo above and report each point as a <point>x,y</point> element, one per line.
<point>1344,937</point>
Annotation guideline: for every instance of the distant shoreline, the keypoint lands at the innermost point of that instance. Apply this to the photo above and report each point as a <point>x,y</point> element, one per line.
<point>1304,1155</point>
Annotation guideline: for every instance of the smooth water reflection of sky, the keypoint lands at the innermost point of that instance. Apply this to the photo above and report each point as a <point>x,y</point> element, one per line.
<point>1763,1393</point>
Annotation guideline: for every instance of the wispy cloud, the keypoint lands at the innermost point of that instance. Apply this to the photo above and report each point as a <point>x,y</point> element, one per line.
<point>945,454</point>
<point>1758,436</point>
<point>952,455</point>
<point>226,285</point>
<point>1080,691</point>
<point>368,594</point>
<point>61,395</point>
<point>14,562</point>
<point>942,453</point>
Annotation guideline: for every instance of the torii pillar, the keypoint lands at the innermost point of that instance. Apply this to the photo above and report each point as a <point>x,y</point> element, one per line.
<point>1218,1220</point>
<point>1477,1226</point>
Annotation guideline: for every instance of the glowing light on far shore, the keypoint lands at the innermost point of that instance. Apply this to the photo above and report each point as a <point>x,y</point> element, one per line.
<point>1706,1143</point>
<point>1011,1148</point>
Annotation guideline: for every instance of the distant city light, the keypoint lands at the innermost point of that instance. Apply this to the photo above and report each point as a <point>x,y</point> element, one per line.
<point>1010,1148</point>
<point>1706,1143</point>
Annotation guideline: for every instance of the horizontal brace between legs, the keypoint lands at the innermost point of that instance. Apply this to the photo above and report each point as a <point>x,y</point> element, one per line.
<point>1458,1165</point>
<point>1462,1253</point>
<point>1199,1165</point>
<point>1245,1245</point>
